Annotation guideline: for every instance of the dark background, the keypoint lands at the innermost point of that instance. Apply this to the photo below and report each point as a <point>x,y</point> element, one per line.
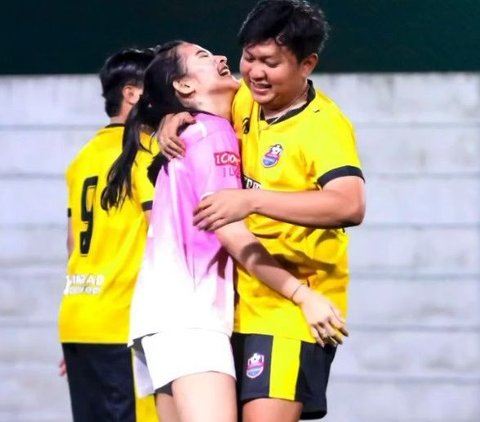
<point>52,36</point>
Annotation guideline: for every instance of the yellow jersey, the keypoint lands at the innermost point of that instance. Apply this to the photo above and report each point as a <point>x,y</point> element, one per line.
<point>301,151</point>
<point>108,246</point>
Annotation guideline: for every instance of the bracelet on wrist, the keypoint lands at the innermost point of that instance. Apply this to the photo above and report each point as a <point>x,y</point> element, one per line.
<point>295,291</point>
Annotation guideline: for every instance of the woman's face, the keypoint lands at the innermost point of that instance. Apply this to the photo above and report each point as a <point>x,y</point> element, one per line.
<point>273,74</point>
<point>206,73</point>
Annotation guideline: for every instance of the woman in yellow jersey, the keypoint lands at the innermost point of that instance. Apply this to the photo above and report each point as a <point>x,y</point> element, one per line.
<point>105,251</point>
<point>301,166</point>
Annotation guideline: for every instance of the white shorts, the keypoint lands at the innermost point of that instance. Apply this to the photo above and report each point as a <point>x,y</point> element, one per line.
<point>163,357</point>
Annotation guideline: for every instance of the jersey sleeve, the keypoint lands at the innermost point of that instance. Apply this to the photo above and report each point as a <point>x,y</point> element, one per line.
<point>144,190</point>
<point>216,162</point>
<point>332,153</point>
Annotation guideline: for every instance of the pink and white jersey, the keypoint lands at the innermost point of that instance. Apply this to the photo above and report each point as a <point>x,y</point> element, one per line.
<point>186,280</point>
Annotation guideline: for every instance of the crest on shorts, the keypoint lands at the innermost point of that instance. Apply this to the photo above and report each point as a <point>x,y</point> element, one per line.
<point>255,365</point>
<point>272,156</point>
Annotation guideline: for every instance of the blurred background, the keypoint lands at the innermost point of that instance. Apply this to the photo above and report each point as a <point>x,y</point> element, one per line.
<point>407,73</point>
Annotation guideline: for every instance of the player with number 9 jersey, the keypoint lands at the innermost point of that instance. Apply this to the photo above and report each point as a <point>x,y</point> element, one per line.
<point>108,246</point>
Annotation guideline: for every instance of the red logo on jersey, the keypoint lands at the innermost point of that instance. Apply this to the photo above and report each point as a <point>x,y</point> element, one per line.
<point>226,158</point>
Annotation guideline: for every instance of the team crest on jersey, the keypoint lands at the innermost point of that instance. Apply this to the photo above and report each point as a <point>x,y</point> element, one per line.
<point>272,156</point>
<point>255,365</point>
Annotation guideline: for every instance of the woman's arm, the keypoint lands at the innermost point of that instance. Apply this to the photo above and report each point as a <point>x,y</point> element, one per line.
<point>324,319</point>
<point>341,203</point>
<point>70,237</point>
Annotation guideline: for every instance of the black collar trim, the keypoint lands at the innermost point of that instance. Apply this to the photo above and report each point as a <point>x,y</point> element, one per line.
<point>310,96</point>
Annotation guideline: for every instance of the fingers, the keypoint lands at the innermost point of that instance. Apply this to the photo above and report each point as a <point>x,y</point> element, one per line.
<point>187,118</point>
<point>205,217</point>
<point>202,206</point>
<point>338,322</point>
<point>167,154</point>
<point>336,339</point>
<point>316,335</point>
<point>170,144</point>
<point>329,333</point>
<point>211,223</point>
<point>202,217</point>
<point>215,225</point>
<point>62,368</point>
<point>338,326</point>
<point>321,335</point>
<point>171,148</point>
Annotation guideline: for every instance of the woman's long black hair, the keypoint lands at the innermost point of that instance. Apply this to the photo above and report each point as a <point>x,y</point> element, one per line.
<point>158,100</point>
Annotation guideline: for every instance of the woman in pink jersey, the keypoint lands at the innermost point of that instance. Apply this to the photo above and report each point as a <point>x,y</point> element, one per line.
<point>182,310</point>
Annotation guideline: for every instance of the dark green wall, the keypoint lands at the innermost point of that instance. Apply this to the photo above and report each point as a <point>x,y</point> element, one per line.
<point>51,36</point>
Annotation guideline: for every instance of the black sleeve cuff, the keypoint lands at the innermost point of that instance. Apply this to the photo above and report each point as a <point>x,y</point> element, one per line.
<point>147,206</point>
<point>339,172</point>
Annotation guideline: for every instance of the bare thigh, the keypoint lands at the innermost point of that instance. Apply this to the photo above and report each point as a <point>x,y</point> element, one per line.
<point>207,396</point>
<point>271,410</point>
<point>166,409</point>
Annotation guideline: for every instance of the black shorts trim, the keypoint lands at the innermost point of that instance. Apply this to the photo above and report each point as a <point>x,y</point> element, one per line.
<point>147,206</point>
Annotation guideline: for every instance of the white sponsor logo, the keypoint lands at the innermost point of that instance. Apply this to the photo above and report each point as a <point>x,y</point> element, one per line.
<point>89,284</point>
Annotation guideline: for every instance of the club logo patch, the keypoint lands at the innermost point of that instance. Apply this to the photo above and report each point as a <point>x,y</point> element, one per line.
<point>272,156</point>
<point>255,365</point>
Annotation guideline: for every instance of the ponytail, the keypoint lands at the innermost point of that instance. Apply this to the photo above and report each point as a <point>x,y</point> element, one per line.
<point>156,165</point>
<point>159,99</point>
<point>119,178</point>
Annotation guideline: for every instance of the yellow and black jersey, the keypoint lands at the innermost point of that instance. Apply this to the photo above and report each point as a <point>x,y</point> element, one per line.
<point>303,150</point>
<point>108,246</point>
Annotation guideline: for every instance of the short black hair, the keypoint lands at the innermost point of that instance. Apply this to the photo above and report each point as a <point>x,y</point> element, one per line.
<point>123,68</point>
<point>296,24</point>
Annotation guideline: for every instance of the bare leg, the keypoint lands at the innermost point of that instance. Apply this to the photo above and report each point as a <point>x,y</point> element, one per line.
<point>207,396</point>
<point>166,409</point>
<point>271,410</point>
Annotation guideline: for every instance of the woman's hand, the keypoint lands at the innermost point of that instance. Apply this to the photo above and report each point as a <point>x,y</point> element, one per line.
<point>221,208</point>
<point>62,368</point>
<point>167,134</point>
<point>324,319</point>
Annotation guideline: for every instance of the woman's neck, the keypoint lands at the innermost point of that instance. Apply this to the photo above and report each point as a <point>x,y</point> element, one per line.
<point>220,105</point>
<point>117,120</point>
<point>294,103</point>
<point>121,117</point>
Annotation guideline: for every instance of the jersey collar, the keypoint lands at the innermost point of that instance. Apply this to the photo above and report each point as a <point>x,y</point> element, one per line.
<point>295,111</point>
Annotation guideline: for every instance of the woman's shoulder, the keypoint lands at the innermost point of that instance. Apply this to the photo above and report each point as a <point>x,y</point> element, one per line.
<point>205,125</point>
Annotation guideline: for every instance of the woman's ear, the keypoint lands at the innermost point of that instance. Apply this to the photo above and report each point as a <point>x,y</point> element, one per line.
<point>131,94</point>
<point>183,87</point>
<point>308,64</point>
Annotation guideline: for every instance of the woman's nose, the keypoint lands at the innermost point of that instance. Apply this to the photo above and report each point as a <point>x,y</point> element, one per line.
<point>256,72</point>
<point>222,59</point>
